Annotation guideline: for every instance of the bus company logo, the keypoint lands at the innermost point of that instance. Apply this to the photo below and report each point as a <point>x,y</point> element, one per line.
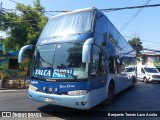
<point>43,72</point>
<point>6,114</point>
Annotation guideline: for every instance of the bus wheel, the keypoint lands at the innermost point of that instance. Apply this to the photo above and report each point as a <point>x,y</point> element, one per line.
<point>110,95</point>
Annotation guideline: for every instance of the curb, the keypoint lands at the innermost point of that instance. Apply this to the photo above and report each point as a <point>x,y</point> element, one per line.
<point>14,90</point>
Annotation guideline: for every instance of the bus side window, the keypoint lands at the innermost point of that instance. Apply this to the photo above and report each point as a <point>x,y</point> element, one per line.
<point>120,66</point>
<point>112,65</point>
<point>97,62</point>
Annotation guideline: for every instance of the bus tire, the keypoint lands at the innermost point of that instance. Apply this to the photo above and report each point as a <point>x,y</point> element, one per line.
<point>110,95</point>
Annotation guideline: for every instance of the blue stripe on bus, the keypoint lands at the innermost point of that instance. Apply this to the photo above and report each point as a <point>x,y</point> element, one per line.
<point>76,37</point>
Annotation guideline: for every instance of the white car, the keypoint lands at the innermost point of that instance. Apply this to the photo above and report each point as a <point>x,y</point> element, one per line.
<point>131,71</point>
<point>148,73</point>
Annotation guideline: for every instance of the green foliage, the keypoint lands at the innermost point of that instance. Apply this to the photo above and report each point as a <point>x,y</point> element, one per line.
<point>22,28</point>
<point>6,74</point>
<point>136,44</point>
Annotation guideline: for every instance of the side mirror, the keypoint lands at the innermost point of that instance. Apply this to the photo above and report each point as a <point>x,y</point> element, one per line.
<point>22,51</point>
<point>86,51</point>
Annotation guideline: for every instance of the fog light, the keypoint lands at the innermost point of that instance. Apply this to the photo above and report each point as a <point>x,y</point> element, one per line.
<point>83,103</point>
<point>44,88</point>
<point>50,90</point>
<point>77,103</point>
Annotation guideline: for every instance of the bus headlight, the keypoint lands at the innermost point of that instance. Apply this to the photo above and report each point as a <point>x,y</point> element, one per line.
<point>77,92</point>
<point>33,87</point>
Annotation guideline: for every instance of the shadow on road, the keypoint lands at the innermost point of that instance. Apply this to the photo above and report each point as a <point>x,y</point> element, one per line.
<point>100,110</point>
<point>129,100</point>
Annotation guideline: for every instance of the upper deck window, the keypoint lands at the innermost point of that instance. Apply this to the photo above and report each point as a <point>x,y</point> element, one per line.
<point>78,22</point>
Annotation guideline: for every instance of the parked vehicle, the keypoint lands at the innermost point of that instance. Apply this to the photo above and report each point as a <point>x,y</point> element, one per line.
<point>132,73</point>
<point>148,73</point>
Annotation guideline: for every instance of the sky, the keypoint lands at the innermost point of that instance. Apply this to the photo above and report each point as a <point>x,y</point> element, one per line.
<point>146,25</point>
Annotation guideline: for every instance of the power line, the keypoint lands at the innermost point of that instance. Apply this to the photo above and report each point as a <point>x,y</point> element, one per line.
<point>49,14</point>
<point>115,9</point>
<point>31,10</point>
<point>143,40</point>
<point>19,21</point>
<point>151,49</point>
<point>134,7</point>
<point>25,10</point>
<point>103,10</point>
<point>151,41</point>
<point>14,1</point>
<point>134,16</point>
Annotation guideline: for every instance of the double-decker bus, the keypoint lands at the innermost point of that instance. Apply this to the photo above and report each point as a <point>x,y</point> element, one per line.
<point>79,60</point>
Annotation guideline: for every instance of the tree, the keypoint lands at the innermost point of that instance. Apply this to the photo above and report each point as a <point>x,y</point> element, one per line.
<point>136,44</point>
<point>23,27</point>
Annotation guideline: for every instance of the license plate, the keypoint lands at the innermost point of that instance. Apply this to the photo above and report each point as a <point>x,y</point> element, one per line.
<point>49,100</point>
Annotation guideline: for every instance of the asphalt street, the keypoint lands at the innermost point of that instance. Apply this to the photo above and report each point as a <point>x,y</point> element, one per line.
<point>143,97</point>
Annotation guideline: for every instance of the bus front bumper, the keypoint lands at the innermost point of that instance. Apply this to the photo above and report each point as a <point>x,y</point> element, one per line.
<point>79,102</point>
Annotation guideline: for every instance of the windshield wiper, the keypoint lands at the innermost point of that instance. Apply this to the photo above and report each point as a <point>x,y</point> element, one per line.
<point>38,78</point>
<point>74,76</point>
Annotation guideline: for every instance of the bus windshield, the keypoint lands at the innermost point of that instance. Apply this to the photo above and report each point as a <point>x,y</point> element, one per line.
<point>78,22</point>
<point>64,59</point>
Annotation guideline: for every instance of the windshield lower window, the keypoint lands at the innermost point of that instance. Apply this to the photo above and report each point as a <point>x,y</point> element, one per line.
<point>64,60</point>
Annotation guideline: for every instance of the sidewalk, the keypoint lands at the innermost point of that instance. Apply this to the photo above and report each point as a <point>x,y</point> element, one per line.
<point>15,84</point>
<point>13,90</point>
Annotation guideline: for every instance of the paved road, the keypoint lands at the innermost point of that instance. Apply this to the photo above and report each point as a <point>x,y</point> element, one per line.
<point>143,97</point>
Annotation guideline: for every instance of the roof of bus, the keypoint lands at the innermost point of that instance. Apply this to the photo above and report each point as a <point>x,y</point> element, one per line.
<point>74,11</point>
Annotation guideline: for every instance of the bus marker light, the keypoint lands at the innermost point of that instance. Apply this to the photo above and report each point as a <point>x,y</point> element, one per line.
<point>56,89</point>
<point>50,90</point>
<point>83,103</point>
<point>77,103</point>
<point>44,88</point>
